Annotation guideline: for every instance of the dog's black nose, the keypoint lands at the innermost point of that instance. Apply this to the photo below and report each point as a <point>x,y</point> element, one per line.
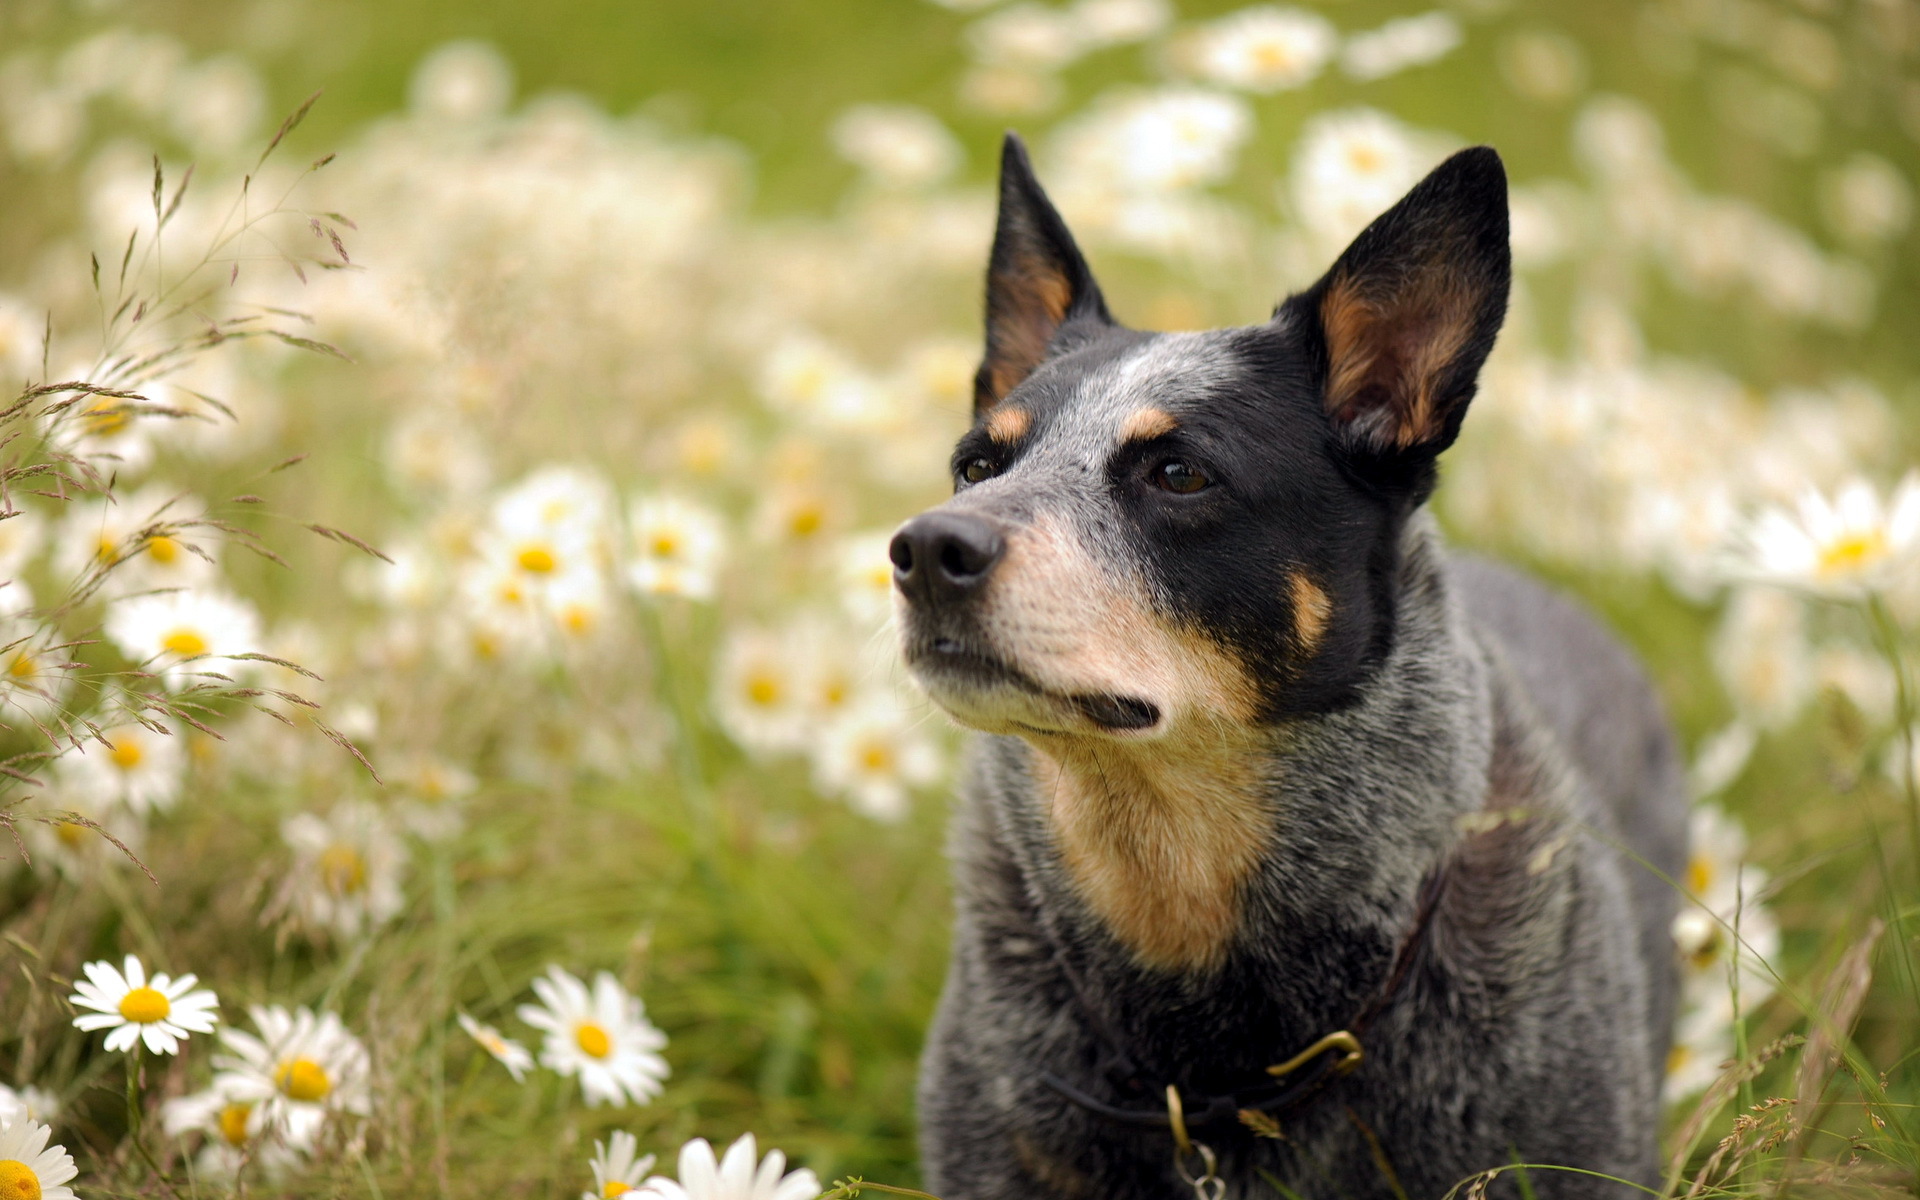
<point>941,556</point>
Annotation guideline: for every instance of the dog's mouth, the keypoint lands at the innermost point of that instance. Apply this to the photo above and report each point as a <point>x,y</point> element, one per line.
<point>1118,714</point>
<point>982,689</point>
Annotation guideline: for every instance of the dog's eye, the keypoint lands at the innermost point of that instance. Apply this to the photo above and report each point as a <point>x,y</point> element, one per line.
<point>976,469</point>
<point>1179,478</point>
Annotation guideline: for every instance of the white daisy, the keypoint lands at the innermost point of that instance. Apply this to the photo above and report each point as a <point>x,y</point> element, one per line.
<point>866,577</point>
<point>602,1036</point>
<point>27,1104</point>
<point>509,1053</point>
<point>1117,22</point>
<point>169,560</point>
<point>1722,890</point>
<point>1265,49</point>
<point>1401,43</point>
<point>1351,166</point>
<point>1702,1044</point>
<point>556,504</point>
<point>1155,142</point>
<point>300,1070</point>
<point>617,1169</point>
<point>160,1012</point>
<point>435,792</point>
<point>873,756</point>
<point>759,692</point>
<point>129,765</point>
<point>677,545</point>
<point>741,1175</point>
<point>346,871</point>
<point>33,679</point>
<point>172,633</point>
<point>1027,36</point>
<point>1760,652</point>
<point>809,380</point>
<point>235,1132</point>
<point>29,1168</point>
<point>1845,546</point>
<point>114,430</point>
<point>77,850</point>
<point>100,532</point>
<point>896,145</point>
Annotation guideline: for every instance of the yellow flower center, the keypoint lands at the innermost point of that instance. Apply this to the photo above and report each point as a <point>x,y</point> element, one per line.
<point>616,1187</point>
<point>1365,159</point>
<point>17,1181</point>
<point>107,550</point>
<point>1677,1057</point>
<point>764,690</point>
<point>665,545</point>
<point>537,560</point>
<point>834,692</point>
<point>163,550</point>
<point>70,835</point>
<point>592,1040</point>
<point>576,618</point>
<point>144,1006</point>
<point>806,521</point>
<point>1852,552</point>
<point>106,419</point>
<point>126,753</point>
<point>1274,56</point>
<point>24,666</point>
<point>303,1079</point>
<point>233,1123</point>
<point>1699,874</point>
<point>876,758</point>
<point>342,869</point>
<point>187,643</point>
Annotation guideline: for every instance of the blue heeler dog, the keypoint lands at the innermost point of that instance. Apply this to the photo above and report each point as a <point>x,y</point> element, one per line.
<point>1300,854</point>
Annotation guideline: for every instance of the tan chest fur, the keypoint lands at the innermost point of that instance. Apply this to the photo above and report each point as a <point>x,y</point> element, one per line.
<point>1160,849</point>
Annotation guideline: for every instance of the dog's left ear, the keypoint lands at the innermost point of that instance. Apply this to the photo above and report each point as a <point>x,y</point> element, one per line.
<point>1408,314</point>
<point>1037,281</point>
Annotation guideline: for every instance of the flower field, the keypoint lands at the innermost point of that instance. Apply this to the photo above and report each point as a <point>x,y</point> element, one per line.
<point>450,737</point>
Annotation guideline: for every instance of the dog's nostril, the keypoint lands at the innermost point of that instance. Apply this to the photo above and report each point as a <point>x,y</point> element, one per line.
<point>953,560</point>
<point>900,550</point>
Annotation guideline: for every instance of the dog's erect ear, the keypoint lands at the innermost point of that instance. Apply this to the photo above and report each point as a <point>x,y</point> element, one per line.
<point>1408,313</point>
<point>1036,281</point>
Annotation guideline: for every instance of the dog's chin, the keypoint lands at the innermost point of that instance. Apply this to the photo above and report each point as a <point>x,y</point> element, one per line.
<point>985,692</point>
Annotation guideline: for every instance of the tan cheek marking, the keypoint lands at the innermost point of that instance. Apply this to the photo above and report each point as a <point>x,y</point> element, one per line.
<point>1312,610</point>
<point>1073,627</point>
<point>1159,846</point>
<point>1008,425</point>
<point>1145,424</point>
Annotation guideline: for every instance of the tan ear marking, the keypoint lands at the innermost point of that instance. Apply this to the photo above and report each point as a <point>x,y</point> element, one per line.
<point>1007,424</point>
<point>1389,352</point>
<point>1312,610</point>
<point>1145,424</point>
<point>1037,298</point>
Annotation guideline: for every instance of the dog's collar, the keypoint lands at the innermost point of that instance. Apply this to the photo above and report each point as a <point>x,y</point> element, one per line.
<point>1288,1085</point>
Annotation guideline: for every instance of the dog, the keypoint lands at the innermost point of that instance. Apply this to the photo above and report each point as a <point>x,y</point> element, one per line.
<point>1299,854</point>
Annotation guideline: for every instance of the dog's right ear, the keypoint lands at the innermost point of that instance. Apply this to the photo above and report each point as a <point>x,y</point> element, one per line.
<point>1036,281</point>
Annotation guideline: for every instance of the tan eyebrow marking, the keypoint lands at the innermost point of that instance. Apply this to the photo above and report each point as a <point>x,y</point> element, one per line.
<point>1008,424</point>
<point>1312,609</point>
<point>1145,424</point>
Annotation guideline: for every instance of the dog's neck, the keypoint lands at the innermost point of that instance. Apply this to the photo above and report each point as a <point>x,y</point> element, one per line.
<point>1222,842</point>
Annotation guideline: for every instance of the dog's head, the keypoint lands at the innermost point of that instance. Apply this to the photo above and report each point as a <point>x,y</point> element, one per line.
<point>1153,532</point>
